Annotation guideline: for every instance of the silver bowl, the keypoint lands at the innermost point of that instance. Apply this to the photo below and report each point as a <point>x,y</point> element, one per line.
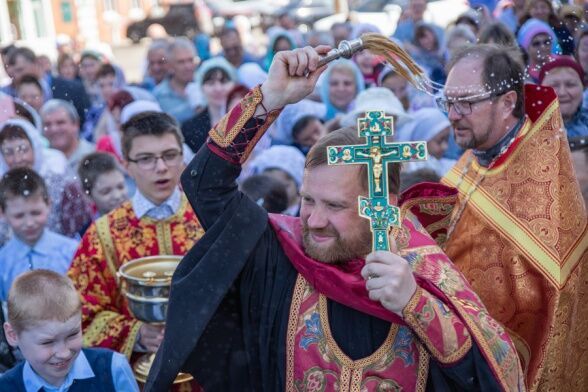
<point>146,284</point>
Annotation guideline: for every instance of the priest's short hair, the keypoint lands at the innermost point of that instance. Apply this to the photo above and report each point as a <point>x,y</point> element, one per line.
<point>317,156</point>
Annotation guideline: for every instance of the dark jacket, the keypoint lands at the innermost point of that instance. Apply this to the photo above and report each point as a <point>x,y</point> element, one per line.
<point>195,130</point>
<point>72,91</point>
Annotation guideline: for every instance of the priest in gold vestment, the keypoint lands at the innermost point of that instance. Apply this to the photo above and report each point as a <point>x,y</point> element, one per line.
<point>519,229</point>
<point>157,220</point>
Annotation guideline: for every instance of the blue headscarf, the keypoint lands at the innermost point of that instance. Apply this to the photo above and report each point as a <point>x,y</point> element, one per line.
<point>531,28</point>
<point>324,88</point>
<point>273,38</point>
<point>212,63</point>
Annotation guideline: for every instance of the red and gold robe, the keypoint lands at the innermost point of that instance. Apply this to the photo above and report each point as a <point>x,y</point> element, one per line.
<point>522,242</point>
<point>111,241</point>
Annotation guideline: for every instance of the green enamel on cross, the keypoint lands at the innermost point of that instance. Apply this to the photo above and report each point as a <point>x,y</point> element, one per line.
<point>376,154</point>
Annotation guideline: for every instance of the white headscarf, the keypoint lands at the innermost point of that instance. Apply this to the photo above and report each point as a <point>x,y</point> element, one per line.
<point>46,160</point>
<point>251,74</point>
<point>282,133</point>
<point>376,98</point>
<point>286,158</point>
<point>137,107</point>
<point>427,123</point>
<point>139,94</point>
<point>198,97</point>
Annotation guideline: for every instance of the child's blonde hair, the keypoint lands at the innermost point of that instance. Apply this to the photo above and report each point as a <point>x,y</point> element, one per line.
<point>41,295</point>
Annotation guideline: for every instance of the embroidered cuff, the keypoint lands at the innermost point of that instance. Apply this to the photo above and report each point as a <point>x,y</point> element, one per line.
<point>442,332</point>
<point>236,134</point>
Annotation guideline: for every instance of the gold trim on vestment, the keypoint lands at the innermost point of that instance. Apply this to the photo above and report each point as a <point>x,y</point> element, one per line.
<point>105,237</point>
<point>410,315</point>
<point>94,333</point>
<point>406,206</point>
<point>556,270</point>
<point>297,297</point>
<point>223,137</point>
<point>351,372</point>
<point>339,354</point>
<point>483,343</point>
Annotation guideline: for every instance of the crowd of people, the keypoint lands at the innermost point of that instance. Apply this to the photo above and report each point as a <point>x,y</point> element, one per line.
<point>489,266</point>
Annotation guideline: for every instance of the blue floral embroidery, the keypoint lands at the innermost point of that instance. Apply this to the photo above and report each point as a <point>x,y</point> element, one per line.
<point>402,346</point>
<point>441,308</point>
<point>313,333</point>
<point>411,258</point>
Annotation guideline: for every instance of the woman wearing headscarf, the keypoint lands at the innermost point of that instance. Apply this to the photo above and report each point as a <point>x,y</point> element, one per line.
<point>378,98</point>
<point>543,11</point>
<point>566,77</point>
<point>430,125</point>
<point>286,164</point>
<point>581,53</point>
<point>537,40</point>
<point>21,145</point>
<point>369,64</point>
<point>214,78</point>
<point>251,74</point>
<point>457,37</point>
<point>426,50</point>
<point>279,40</point>
<point>340,85</point>
<point>282,132</point>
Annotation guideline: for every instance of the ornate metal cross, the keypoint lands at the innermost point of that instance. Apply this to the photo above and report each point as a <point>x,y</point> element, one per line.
<point>376,154</point>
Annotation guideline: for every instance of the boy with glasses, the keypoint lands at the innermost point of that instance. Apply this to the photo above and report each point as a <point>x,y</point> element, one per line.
<point>157,220</point>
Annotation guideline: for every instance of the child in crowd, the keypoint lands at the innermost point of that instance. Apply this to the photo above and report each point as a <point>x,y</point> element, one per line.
<point>307,131</point>
<point>433,126</point>
<point>29,89</point>
<point>103,181</point>
<point>24,201</point>
<point>45,322</point>
<point>268,192</point>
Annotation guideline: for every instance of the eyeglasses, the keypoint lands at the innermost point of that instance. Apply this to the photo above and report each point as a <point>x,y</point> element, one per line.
<point>462,107</point>
<point>537,44</point>
<point>18,150</point>
<point>149,162</point>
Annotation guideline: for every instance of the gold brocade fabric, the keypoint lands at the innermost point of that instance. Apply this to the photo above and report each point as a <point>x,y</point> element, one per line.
<point>522,242</point>
<point>110,242</point>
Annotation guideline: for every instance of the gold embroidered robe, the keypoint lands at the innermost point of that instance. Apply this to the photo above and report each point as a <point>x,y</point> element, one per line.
<point>111,241</point>
<point>522,242</point>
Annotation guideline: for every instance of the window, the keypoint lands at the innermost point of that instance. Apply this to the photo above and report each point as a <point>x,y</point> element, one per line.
<point>109,5</point>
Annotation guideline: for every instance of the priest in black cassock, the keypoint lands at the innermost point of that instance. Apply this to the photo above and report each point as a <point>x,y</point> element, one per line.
<point>274,303</point>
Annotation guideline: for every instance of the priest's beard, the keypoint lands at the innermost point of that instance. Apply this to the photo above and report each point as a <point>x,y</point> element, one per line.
<point>341,249</point>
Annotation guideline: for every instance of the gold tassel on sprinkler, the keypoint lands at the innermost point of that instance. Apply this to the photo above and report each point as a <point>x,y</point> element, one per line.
<point>397,57</point>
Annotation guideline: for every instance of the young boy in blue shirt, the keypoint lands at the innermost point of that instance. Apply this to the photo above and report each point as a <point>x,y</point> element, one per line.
<point>45,322</point>
<point>25,203</point>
